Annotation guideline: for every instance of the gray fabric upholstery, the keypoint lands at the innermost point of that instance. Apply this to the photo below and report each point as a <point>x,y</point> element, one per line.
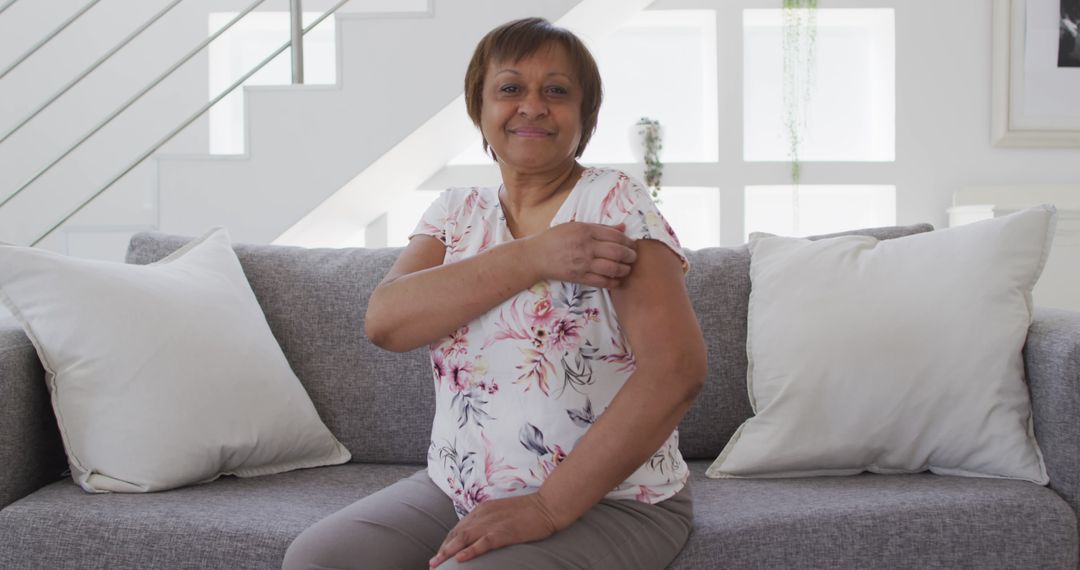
<point>231,523</point>
<point>379,404</point>
<point>877,521</point>
<point>1052,366</point>
<point>865,521</point>
<point>31,453</point>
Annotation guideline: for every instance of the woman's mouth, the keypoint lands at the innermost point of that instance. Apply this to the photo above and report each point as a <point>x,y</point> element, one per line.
<point>530,132</point>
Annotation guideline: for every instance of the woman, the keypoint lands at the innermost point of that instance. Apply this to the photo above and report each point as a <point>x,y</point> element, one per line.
<point>554,443</point>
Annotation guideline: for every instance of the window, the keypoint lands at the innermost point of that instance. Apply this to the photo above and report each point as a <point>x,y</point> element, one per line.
<point>850,115</point>
<point>694,214</point>
<point>811,210</point>
<point>714,80</point>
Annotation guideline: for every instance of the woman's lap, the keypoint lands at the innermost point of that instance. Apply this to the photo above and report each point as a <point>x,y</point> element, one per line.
<point>404,524</point>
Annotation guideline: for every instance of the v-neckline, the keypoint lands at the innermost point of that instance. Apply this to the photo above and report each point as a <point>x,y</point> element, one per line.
<point>558,213</point>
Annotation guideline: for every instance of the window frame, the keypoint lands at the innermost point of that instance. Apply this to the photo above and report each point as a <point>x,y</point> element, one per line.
<point>730,173</point>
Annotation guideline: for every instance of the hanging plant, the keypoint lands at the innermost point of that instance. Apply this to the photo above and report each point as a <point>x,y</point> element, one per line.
<point>649,131</point>
<point>799,36</point>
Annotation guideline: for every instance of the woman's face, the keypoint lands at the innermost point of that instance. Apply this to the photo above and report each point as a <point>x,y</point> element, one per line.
<point>531,110</point>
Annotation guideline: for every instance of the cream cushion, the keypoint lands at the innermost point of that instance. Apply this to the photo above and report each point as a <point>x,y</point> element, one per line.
<point>163,375</point>
<point>892,356</point>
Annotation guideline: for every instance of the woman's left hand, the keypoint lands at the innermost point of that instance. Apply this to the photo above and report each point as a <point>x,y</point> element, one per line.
<point>496,523</point>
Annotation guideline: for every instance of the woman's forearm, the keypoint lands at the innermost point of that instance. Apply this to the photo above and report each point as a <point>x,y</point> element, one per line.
<point>632,428</point>
<point>419,308</point>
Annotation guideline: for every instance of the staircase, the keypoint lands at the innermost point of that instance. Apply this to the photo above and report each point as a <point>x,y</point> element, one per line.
<point>311,141</point>
<point>320,161</point>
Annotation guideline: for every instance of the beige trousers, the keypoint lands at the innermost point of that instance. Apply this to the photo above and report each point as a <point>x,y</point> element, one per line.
<point>401,526</point>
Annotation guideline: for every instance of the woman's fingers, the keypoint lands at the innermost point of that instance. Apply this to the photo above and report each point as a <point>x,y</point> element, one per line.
<point>449,548</point>
<point>596,255</point>
<point>613,255</point>
<point>460,549</point>
<point>608,268</point>
<point>594,280</point>
<point>615,252</point>
<point>475,549</point>
<point>612,234</point>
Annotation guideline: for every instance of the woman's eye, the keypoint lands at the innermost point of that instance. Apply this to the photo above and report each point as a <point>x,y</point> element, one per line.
<point>508,88</point>
<point>557,90</point>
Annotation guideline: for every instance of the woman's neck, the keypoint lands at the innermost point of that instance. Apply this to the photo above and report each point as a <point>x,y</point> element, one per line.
<point>525,192</point>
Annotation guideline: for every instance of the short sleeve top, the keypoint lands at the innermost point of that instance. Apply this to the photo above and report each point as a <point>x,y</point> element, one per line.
<point>518,386</point>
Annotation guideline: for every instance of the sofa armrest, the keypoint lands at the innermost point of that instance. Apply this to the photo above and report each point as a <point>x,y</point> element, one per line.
<point>1052,366</point>
<point>31,451</point>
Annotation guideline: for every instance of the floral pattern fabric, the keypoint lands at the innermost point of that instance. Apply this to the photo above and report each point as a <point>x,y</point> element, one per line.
<point>517,387</point>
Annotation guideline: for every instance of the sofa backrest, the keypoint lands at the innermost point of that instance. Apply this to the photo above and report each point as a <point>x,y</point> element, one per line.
<point>380,404</point>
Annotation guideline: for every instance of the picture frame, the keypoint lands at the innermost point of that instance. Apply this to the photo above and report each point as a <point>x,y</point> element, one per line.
<point>1023,116</point>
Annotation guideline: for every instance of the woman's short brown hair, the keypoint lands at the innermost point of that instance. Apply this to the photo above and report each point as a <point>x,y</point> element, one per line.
<point>516,40</point>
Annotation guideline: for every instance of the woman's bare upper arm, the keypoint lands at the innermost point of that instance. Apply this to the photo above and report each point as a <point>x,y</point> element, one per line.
<point>654,309</point>
<point>422,252</point>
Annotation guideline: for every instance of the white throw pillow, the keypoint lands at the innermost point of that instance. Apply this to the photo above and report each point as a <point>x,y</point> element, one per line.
<point>892,356</point>
<point>163,375</point>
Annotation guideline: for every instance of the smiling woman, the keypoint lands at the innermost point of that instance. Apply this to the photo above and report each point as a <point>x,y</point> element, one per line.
<point>563,346</point>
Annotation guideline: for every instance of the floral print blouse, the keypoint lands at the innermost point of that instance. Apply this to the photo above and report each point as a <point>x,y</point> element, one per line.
<point>517,387</point>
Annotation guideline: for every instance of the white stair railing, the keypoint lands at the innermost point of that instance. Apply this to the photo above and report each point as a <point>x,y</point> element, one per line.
<point>296,39</point>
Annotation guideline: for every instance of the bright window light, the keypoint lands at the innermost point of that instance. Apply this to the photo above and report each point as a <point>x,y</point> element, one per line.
<point>241,48</point>
<point>851,115</point>
<point>810,210</point>
<point>678,48</point>
<point>694,214</point>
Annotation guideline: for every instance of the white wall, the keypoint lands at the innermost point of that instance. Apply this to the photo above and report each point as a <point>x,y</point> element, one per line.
<point>107,153</point>
<point>942,107</point>
<point>943,113</point>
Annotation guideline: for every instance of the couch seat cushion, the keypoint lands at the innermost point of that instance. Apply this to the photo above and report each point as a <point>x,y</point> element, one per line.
<point>230,523</point>
<point>869,520</point>
<point>862,521</point>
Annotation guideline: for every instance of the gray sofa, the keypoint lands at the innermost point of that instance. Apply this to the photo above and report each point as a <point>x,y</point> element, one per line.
<point>380,405</point>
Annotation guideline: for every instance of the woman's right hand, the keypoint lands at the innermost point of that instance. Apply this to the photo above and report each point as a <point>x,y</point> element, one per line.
<point>591,254</point>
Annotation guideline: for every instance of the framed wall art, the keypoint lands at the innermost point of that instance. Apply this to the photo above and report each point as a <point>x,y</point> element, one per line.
<point>1036,73</point>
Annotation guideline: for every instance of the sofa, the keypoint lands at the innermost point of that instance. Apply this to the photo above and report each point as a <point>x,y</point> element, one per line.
<point>380,406</point>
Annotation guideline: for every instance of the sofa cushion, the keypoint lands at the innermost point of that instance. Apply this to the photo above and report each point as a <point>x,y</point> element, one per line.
<point>719,287</point>
<point>863,521</point>
<point>180,380</point>
<point>893,356</point>
<point>877,521</point>
<point>379,404</point>
<point>232,523</point>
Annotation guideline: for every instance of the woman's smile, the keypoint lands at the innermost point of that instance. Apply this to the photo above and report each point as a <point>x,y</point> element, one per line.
<point>531,132</point>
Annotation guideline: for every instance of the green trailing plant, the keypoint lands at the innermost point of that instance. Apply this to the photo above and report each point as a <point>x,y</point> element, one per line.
<point>649,131</point>
<point>799,38</point>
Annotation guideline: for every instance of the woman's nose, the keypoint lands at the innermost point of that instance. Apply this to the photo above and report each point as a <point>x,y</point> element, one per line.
<point>532,105</point>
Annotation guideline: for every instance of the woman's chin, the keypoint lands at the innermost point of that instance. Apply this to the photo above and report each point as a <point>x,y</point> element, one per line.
<point>533,161</point>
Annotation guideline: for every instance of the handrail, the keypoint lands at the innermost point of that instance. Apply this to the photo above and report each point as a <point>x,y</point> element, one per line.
<point>6,6</point>
<point>90,69</point>
<point>46,39</point>
<point>190,119</point>
<point>130,102</point>
<point>296,21</point>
